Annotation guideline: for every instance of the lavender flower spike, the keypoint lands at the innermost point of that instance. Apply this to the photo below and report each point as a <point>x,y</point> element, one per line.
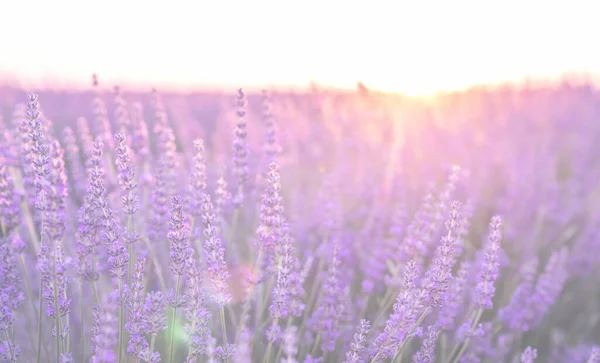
<point>178,236</point>
<point>426,353</point>
<point>358,343</point>
<point>529,355</point>
<point>440,274</point>
<point>488,273</point>
<point>214,253</point>
<point>240,149</point>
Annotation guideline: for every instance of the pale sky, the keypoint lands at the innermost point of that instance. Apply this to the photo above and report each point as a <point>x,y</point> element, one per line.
<point>412,46</point>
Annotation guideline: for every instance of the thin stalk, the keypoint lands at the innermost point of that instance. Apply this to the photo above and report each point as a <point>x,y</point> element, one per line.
<point>121,319</point>
<point>224,332</point>
<point>152,342</point>
<point>173,316</point>
<point>311,298</point>
<point>56,309</point>
<point>246,306</point>
<point>411,332</point>
<point>464,346</point>
<point>41,300</point>
<point>280,350</point>
<point>81,317</point>
<point>129,248</point>
<point>9,342</point>
<point>156,264</point>
<point>313,351</point>
<point>40,323</point>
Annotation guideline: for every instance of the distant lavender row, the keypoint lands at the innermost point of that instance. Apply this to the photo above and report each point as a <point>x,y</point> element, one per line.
<point>301,228</point>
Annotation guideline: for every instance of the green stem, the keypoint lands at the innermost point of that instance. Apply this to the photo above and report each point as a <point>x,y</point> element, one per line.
<point>246,306</point>
<point>56,309</point>
<point>82,318</point>
<point>173,316</point>
<point>224,332</point>
<point>40,323</point>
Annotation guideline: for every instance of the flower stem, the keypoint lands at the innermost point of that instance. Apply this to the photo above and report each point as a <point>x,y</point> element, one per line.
<point>56,308</point>
<point>464,346</point>
<point>82,318</point>
<point>121,318</point>
<point>173,317</point>
<point>224,332</point>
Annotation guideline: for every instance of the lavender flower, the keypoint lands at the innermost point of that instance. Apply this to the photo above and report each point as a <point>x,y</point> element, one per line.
<point>529,355</point>
<point>39,151</point>
<point>547,288</point>
<point>10,213</point>
<point>178,236</point>
<point>403,317</point>
<point>271,217</point>
<point>154,312</point>
<point>426,353</point>
<point>214,254</point>
<point>290,345</point>
<point>118,256</point>
<point>198,180</point>
<point>126,176</point>
<point>122,118</point>
<point>134,298</point>
<point>197,314</point>
<point>594,355</point>
<point>140,139</point>
<point>104,332</point>
<point>358,343</point>
<point>103,128</point>
<point>327,316</point>
<point>271,147</point>
<point>240,149</point>
<point>515,315</point>
<point>438,277</point>
<point>488,273</point>
<point>78,175</point>
<point>280,305</point>
<point>451,309</point>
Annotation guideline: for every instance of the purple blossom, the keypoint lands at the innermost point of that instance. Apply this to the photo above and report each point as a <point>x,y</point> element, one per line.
<point>358,343</point>
<point>100,113</point>
<point>134,298</point>
<point>326,319</point>
<point>438,277</point>
<point>214,253</point>
<point>10,212</point>
<point>178,237</point>
<point>426,353</point>
<point>403,317</point>
<point>240,149</point>
<point>196,312</point>
<point>529,355</point>
<point>154,312</point>
<point>198,180</point>
<point>456,296</point>
<point>271,147</point>
<point>488,271</point>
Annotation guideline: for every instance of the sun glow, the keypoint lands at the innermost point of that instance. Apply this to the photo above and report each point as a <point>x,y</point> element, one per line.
<point>400,46</point>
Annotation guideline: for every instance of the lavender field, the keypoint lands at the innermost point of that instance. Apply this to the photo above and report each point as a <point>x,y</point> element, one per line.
<point>290,227</point>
